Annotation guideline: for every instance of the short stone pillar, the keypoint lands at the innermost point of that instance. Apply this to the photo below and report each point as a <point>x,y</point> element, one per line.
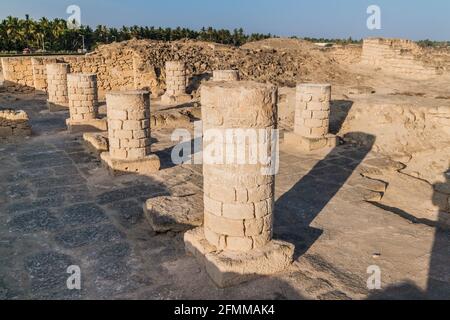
<point>83,103</point>
<point>129,133</point>
<point>14,123</point>
<point>235,242</point>
<point>175,83</point>
<point>57,86</point>
<point>225,75</point>
<point>312,118</point>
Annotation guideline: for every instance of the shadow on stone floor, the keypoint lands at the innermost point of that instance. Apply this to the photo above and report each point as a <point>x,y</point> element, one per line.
<point>338,113</point>
<point>296,209</point>
<point>183,151</point>
<point>438,282</point>
<point>439,274</point>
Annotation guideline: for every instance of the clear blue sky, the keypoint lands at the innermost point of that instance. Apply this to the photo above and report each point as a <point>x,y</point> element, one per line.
<point>414,19</point>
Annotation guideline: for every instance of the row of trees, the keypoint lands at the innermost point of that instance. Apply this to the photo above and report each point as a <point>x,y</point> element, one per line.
<point>54,35</point>
<point>338,41</point>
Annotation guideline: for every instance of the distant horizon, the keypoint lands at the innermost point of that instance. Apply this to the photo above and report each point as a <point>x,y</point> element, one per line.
<point>328,19</point>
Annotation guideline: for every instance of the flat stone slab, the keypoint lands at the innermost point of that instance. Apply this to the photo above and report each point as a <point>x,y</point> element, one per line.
<point>86,125</point>
<point>147,165</point>
<point>166,99</point>
<point>228,268</point>
<point>96,141</point>
<point>176,214</point>
<point>53,107</point>
<point>308,144</point>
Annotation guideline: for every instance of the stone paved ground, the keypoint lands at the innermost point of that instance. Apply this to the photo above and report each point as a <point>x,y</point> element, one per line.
<point>59,207</point>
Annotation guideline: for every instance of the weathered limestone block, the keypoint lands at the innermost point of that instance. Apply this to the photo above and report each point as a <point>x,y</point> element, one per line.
<point>97,142</point>
<point>235,242</point>
<point>225,75</point>
<point>83,103</point>
<point>57,86</point>
<point>14,123</point>
<point>175,83</point>
<point>312,118</point>
<point>174,213</point>
<point>129,133</point>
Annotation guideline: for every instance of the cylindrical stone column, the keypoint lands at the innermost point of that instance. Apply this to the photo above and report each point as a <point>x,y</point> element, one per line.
<point>128,124</point>
<point>225,75</point>
<point>238,196</point>
<point>312,110</point>
<point>57,83</point>
<point>175,78</point>
<point>83,96</point>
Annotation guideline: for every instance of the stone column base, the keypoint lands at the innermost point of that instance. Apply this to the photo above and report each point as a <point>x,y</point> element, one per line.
<point>167,99</point>
<point>86,125</point>
<point>310,144</point>
<point>53,107</point>
<point>232,268</point>
<point>147,165</point>
<point>96,142</point>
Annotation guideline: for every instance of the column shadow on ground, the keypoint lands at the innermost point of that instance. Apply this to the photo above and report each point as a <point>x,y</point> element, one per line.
<point>438,282</point>
<point>296,209</point>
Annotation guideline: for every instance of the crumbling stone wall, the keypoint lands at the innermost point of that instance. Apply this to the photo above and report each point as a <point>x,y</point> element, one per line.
<point>39,70</point>
<point>145,77</point>
<point>114,70</point>
<point>17,72</point>
<point>402,57</point>
<point>14,123</point>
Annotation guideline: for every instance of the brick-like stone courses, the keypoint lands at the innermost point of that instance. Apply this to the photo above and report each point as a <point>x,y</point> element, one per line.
<point>225,75</point>
<point>14,123</point>
<point>39,67</point>
<point>175,78</point>
<point>17,70</point>
<point>128,124</point>
<point>238,199</point>
<point>312,110</point>
<point>396,56</point>
<point>83,96</point>
<point>57,83</point>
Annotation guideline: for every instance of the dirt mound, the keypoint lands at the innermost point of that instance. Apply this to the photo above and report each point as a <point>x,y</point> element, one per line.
<point>280,61</point>
<point>281,44</point>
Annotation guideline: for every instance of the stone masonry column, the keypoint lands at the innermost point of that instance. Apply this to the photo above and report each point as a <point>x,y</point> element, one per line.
<point>83,103</point>
<point>235,242</point>
<point>129,133</point>
<point>312,118</point>
<point>57,86</point>
<point>175,83</point>
<point>225,75</point>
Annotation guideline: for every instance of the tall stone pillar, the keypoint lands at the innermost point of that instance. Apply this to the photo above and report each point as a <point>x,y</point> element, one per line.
<point>235,242</point>
<point>225,75</point>
<point>83,103</point>
<point>176,83</point>
<point>312,118</point>
<point>57,86</point>
<point>129,133</point>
